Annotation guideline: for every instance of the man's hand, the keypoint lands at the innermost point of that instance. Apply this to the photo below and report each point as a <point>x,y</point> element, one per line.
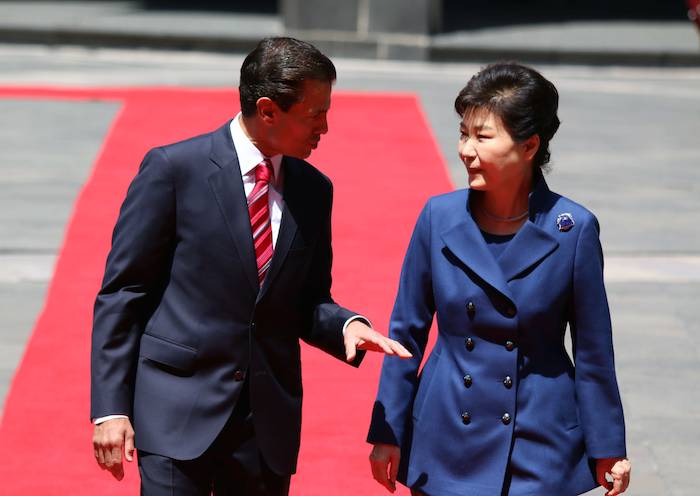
<point>384,460</point>
<point>112,439</point>
<point>619,469</point>
<point>359,336</point>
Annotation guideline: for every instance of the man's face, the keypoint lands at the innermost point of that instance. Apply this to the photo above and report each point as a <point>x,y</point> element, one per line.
<point>297,131</point>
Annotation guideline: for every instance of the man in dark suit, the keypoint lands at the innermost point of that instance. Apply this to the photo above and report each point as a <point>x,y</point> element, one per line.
<point>220,262</point>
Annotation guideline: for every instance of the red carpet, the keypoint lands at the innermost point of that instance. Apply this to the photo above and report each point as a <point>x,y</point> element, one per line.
<point>384,162</point>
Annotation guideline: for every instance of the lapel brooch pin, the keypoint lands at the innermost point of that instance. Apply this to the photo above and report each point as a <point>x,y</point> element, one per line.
<point>565,222</point>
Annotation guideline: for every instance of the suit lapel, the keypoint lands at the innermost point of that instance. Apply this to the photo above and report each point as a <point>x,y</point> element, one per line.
<point>288,227</point>
<point>529,246</point>
<point>466,242</point>
<point>532,243</point>
<point>227,186</point>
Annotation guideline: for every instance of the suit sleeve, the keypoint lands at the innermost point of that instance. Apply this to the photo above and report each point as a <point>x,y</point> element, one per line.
<point>136,269</point>
<point>598,398</point>
<point>325,330</point>
<point>410,324</point>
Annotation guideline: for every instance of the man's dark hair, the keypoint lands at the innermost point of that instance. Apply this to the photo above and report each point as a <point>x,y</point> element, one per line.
<point>525,101</point>
<point>277,68</point>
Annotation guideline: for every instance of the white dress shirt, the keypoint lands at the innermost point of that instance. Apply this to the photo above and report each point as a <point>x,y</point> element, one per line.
<point>248,158</point>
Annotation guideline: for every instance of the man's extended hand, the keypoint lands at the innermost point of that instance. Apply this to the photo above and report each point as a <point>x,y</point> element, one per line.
<point>112,439</point>
<point>359,336</point>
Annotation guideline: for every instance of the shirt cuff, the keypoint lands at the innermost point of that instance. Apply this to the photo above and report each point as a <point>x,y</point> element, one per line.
<point>100,420</point>
<point>356,317</point>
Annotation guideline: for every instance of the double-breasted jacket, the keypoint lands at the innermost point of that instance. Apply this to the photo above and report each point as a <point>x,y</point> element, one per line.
<point>499,397</point>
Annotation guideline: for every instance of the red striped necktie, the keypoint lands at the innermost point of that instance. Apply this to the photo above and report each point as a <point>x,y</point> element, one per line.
<point>258,208</point>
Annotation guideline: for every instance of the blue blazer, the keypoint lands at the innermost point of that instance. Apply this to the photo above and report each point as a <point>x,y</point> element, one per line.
<point>498,396</point>
<point>181,322</point>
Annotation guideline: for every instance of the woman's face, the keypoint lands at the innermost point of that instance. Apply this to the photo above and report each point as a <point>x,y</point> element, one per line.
<point>493,160</point>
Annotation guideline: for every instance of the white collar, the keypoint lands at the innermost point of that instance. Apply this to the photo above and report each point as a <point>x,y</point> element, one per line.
<point>248,154</point>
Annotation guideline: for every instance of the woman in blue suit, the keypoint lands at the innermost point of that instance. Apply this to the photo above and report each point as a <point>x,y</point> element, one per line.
<point>499,408</point>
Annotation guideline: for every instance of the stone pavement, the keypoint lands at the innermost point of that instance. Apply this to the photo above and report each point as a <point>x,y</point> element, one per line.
<point>627,149</point>
<point>45,157</point>
<point>130,24</point>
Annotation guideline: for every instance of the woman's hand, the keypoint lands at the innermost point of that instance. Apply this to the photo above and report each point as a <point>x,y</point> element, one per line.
<point>618,468</point>
<point>384,460</point>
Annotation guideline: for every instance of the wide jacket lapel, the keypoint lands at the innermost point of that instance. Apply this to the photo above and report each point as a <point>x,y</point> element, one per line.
<point>465,241</point>
<point>532,243</point>
<point>227,186</point>
<point>293,199</point>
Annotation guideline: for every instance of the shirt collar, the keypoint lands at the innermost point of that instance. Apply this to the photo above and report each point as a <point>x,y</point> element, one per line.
<point>248,154</point>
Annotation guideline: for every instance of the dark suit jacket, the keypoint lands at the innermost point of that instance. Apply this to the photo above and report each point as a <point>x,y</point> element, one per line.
<point>498,320</point>
<point>180,320</point>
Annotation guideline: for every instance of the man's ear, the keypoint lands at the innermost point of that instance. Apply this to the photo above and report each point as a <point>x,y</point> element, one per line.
<point>531,145</point>
<point>267,110</point>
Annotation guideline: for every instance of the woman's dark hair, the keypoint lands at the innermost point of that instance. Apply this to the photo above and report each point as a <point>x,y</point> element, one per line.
<point>525,101</point>
<point>276,69</point>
